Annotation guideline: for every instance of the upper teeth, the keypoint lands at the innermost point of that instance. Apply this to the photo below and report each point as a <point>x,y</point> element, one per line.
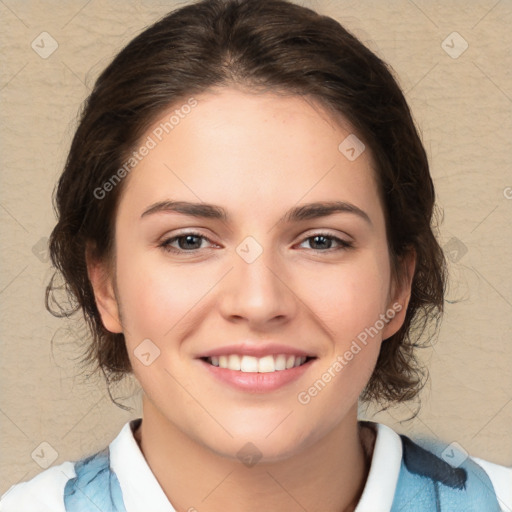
<point>264,364</point>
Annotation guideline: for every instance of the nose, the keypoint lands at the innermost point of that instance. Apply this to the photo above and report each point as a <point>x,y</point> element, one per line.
<point>259,292</point>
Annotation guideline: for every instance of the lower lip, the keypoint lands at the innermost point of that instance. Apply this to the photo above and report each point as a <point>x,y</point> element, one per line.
<point>257,382</point>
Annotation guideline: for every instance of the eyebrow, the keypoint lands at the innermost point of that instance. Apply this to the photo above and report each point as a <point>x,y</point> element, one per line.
<point>296,214</point>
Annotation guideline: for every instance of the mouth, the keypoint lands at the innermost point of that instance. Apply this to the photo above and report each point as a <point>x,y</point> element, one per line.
<point>249,364</point>
<point>251,374</point>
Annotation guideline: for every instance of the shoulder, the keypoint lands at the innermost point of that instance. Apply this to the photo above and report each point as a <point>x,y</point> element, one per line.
<point>91,482</point>
<point>449,479</point>
<point>56,488</point>
<point>44,492</point>
<point>74,485</point>
<point>424,475</point>
<point>501,478</point>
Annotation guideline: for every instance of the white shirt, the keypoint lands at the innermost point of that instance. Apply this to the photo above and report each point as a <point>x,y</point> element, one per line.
<point>142,492</point>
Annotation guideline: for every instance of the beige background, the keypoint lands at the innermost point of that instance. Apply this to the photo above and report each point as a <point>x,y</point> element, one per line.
<point>463,108</point>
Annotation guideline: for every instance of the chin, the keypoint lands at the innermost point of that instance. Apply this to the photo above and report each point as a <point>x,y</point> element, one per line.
<point>251,453</point>
<point>256,445</point>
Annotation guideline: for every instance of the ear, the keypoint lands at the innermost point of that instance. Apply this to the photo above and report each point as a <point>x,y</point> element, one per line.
<point>102,283</point>
<point>400,295</point>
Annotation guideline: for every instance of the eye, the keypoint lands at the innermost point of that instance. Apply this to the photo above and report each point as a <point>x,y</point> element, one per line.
<point>191,241</point>
<point>187,242</point>
<point>324,241</point>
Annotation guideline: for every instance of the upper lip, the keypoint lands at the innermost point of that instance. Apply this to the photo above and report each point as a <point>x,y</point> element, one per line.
<point>256,349</point>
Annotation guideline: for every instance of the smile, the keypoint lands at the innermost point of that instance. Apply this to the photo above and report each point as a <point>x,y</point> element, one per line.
<point>256,374</point>
<point>251,364</point>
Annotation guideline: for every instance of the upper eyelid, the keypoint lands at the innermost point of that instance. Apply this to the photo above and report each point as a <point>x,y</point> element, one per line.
<point>306,234</point>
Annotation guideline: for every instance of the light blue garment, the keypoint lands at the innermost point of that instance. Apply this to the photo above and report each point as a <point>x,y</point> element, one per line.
<point>95,486</point>
<point>427,483</point>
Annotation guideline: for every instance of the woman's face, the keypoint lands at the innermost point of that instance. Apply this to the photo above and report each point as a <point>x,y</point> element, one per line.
<point>272,280</point>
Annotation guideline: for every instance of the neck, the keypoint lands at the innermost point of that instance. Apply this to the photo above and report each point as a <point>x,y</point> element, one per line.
<point>328,476</point>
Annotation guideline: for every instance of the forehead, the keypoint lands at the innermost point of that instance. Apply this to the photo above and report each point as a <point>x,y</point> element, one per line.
<point>250,150</point>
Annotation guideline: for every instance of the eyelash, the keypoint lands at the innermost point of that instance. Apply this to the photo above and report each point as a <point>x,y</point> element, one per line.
<point>166,244</point>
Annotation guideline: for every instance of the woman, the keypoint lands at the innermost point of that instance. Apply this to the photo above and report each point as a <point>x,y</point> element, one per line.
<point>245,219</point>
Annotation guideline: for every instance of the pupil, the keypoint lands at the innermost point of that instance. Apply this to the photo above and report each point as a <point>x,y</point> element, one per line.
<point>317,237</point>
<point>187,239</point>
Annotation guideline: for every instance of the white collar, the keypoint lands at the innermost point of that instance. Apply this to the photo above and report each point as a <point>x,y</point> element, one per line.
<point>141,490</point>
<point>379,490</point>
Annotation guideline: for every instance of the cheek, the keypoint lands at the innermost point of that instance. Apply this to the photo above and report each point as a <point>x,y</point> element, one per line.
<point>349,297</point>
<point>349,301</point>
<point>154,295</point>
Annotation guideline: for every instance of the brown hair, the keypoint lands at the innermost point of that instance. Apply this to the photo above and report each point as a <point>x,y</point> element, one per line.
<point>270,45</point>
